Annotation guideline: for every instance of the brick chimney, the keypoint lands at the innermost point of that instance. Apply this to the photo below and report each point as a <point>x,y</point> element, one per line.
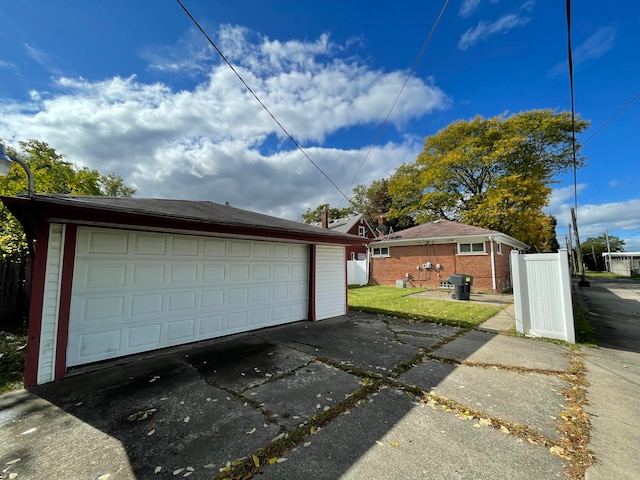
<point>325,218</point>
<point>382,226</point>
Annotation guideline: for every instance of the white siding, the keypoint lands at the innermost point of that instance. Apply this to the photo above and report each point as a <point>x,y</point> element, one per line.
<point>331,282</point>
<point>136,291</point>
<point>50,304</point>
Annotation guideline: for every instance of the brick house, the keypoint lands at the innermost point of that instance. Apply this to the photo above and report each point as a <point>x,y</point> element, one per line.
<point>353,225</point>
<point>425,256</point>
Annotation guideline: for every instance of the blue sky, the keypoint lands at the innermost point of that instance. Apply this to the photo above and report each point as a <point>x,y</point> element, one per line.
<point>134,88</point>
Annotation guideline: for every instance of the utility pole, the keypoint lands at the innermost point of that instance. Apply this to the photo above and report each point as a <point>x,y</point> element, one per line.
<point>606,235</point>
<point>583,282</point>
<point>574,270</point>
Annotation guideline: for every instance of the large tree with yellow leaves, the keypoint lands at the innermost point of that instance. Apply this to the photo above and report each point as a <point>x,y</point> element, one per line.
<point>493,173</point>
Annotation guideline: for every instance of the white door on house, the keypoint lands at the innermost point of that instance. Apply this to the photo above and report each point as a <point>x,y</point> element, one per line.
<point>140,291</point>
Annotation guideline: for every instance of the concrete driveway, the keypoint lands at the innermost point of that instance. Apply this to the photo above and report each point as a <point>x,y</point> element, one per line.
<point>357,397</point>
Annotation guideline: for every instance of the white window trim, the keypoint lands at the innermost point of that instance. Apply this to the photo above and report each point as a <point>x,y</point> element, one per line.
<point>380,255</point>
<point>499,248</point>
<point>483,252</point>
<point>362,231</point>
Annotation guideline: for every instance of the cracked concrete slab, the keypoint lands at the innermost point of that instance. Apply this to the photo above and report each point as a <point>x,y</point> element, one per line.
<point>400,438</point>
<point>308,391</point>
<point>485,347</point>
<point>537,402</point>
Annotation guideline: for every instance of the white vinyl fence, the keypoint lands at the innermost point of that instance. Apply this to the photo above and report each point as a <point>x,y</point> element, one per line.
<point>357,272</point>
<point>542,295</point>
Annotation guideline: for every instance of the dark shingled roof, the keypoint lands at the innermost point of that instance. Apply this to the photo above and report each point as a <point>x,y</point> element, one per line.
<point>188,214</point>
<point>441,229</point>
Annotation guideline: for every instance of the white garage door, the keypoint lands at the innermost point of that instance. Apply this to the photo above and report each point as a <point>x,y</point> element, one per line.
<point>135,292</point>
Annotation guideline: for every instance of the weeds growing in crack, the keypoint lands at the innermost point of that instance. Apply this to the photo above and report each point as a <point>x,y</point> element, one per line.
<point>573,446</point>
<point>246,468</point>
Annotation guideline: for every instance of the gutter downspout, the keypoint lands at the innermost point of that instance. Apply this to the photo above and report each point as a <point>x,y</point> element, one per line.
<point>493,265</point>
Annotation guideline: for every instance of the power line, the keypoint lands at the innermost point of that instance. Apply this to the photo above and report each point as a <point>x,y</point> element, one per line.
<point>260,101</point>
<point>573,110</point>
<point>612,118</point>
<point>393,106</point>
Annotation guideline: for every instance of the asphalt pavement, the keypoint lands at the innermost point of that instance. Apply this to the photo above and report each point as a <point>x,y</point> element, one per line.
<point>357,397</point>
<point>613,370</point>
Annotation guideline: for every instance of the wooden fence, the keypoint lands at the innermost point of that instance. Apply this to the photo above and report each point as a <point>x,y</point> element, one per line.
<point>15,279</point>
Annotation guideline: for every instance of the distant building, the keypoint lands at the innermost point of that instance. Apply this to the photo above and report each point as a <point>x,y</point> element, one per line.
<point>622,263</point>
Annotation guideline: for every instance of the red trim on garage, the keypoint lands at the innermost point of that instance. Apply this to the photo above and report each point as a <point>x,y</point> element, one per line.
<point>312,282</point>
<point>38,277</point>
<point>66,282</point>
<point>346,283</point>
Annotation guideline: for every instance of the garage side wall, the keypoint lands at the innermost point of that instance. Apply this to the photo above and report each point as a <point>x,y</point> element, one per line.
<point>51,304</point>
<point>331,282</point>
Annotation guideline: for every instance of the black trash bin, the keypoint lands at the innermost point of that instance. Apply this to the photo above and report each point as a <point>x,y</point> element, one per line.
<point>461,286</point>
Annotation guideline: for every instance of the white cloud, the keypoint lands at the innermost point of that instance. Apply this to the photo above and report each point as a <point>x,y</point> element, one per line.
<point>468,7</point>
<point>595,46</point>
<point>213,141</point>
<point>618,218</point>
<point>485,29</point>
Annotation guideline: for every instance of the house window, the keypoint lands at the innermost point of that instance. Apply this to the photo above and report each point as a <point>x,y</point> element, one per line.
<point>380,251</point>
<point>499,248</point>
<point>353,255</point>
<point>471,248</point>
<point>362,232</point>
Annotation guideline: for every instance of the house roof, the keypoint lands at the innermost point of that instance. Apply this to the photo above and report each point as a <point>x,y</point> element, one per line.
<point>343,224</point>
<point>446,231</point>
<point>165,215</point>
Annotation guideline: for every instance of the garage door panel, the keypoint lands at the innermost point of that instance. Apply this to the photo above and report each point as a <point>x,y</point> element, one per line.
<point>180,330</point>
<point>179,301</point>
<point>211,327</point>
<point>149,244</point>
<point>213,273</point>
<point>212,299</point>
<point>147,274</point>
<point>177,289</point>
<point>144,335</point>
<point>146,304</point>
<point>181,274</point>
<point>100,310</point>
<point>111,242</point>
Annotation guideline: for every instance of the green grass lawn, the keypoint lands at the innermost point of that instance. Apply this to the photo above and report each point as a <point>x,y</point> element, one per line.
<point>11,361</point>
<point>395,301</point>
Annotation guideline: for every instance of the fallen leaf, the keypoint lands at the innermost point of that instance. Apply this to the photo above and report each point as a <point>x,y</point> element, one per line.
<point>273,460</point>
<point>186,419</point>
<point>504,429</point>
<point>191,469</point>
<point>394,444</point>
<point>312,430</point>
<point>151,432</point>
<point>326,408</point>
<point>256,460</point>
<point>281,459</point>
<point>318,406</point>
<point>106,476</point>
<point>306,444</point>
<point>14,461</point>
<point>187,474</point>
<point>178,471</point>
<point>158,469</point>
<point>251,431</point>
<point>210,466</point>
<point>13,475</point>
<point>379,442</point>
<point>485,421</point>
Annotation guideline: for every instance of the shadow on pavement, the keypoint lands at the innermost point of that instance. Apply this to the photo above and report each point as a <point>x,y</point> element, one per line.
<point>193,411</point>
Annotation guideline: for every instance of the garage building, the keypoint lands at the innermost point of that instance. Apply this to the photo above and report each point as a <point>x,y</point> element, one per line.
<point>114,277</point>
